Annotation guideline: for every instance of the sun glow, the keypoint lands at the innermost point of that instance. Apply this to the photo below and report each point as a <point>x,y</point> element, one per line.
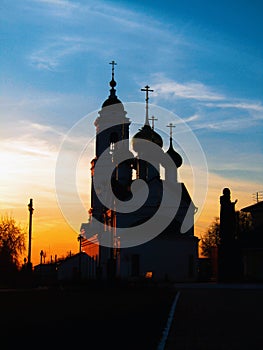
<point>29,170</point>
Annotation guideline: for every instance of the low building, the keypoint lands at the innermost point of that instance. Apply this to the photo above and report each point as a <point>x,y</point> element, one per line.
<point>252,244</point>
<point>78,267</point>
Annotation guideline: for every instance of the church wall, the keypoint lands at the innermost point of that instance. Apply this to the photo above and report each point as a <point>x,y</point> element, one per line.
<point>167,259</point>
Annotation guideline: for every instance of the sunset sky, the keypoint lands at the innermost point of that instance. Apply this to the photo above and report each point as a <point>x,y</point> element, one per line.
<point>203,59</point>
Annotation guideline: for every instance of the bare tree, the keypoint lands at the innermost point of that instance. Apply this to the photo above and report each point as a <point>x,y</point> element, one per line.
<point>211,238</point>
<point>12,244</point>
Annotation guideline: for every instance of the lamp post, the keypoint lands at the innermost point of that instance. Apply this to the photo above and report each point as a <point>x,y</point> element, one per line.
<point>31,209</point>
<point>80,240</point>
<point>41,256</point>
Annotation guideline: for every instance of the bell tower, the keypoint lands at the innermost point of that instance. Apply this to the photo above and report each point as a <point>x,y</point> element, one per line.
<point>112,137</point>
<point>112,125</point>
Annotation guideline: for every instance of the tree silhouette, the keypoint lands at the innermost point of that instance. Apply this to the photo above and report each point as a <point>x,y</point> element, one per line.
<point>12,246</point>
<point>211,238</point>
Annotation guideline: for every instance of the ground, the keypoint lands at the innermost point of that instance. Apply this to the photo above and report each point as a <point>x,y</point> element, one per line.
<point>217,317</point>
<point>94,318</point>
<point>207,316</point>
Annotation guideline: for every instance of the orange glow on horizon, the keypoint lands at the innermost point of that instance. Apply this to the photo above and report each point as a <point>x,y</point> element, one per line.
<point>53,234</point>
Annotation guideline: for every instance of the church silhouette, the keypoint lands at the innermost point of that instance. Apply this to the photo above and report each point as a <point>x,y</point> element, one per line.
<point>118,235</point>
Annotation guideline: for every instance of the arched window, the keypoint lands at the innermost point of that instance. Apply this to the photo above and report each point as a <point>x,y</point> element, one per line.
<point>113,139</point>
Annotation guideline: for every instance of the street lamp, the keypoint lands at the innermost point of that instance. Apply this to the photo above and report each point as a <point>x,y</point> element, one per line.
<point>80,237</point>
<point>31,209</point>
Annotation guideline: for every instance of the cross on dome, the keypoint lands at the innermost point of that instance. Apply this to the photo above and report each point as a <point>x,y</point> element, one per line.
<point>112,99</point>
<point>113,63</point>
<point>171,126</point>
<point>171,152</point>
<point>147,90</point>
<point>153,119</point>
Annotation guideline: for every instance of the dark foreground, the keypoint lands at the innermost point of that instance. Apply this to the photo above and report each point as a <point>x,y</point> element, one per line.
<point>218,317</point>
<point>124,317</point>
<point>133,317</point>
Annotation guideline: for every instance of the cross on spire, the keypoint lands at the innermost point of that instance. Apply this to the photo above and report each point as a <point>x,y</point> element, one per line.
<point>113,63</point>
<point>147,90</point>
<point>153,119</point>
<point>171,126</point>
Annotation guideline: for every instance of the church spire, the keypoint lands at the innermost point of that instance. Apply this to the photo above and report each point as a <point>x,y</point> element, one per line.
<point>112,99</point>
<point>171,151</point>
<point>112,82</point>
<point>147,89</point>
<point>171,126</point>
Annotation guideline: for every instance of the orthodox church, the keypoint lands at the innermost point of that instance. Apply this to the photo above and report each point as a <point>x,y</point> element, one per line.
<point>117,234</point>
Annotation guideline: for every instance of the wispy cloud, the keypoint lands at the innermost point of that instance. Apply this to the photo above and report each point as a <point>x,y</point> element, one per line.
<point>58,8</point>
<point>112,12</point>
<point>29,160</point>
<point>43,139</point>
<point>117,25</point>
<point>43,109</point>
<point>189,90</point>
<point>62,3</point>
<point>44,128</point>
<point>191,118</point>
<point>32,139</point>
<point>254,106</point>
<point>222,124</point>
<point>50,56</point>
<point>210,108</point>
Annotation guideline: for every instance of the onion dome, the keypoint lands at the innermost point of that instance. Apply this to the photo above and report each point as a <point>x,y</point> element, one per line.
<point>177,159</point>
<point>112,99</point>
<point>146,133</point>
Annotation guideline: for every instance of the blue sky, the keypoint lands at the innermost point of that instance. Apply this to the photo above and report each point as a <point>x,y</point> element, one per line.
<point>202,58</point>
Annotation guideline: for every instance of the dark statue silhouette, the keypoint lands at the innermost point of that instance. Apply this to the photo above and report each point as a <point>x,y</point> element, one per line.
<point>229,261</point>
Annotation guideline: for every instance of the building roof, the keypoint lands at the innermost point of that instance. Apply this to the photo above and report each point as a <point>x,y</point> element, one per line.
<point>254,207</point>
<point>177,159</point>
<point>146,133</point>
